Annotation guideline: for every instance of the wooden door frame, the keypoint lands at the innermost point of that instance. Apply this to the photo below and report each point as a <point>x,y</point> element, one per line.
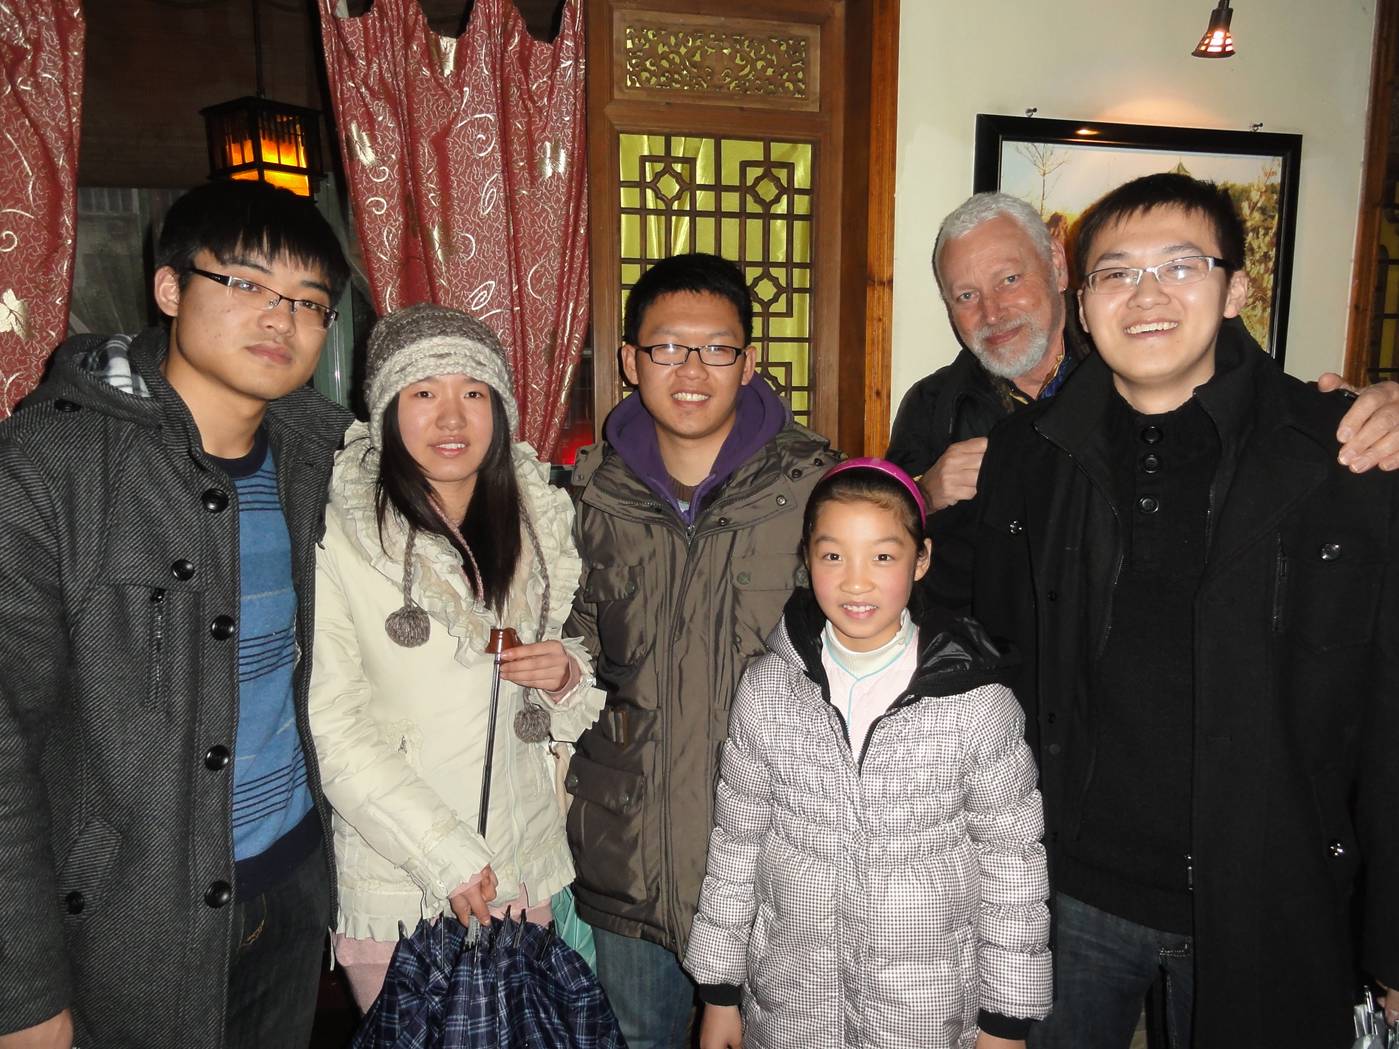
<point>858,241</point>
<point>1363,306</point>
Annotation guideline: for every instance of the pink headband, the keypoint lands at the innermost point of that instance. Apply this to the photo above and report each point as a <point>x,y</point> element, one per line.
<point>887,468</point>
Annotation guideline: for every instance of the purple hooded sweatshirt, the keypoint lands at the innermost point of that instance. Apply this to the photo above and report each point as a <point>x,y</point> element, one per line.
<point>760,416</point>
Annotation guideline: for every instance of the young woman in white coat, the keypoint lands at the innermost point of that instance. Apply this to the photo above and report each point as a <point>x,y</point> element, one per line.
<point>439,529</point>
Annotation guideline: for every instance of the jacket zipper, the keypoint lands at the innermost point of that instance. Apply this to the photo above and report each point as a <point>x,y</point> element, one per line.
<point>672,902</point>
<point>1279,586</point>
<point>157,646</point>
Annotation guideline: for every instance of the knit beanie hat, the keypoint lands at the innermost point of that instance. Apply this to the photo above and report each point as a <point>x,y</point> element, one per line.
<point>416,342</point>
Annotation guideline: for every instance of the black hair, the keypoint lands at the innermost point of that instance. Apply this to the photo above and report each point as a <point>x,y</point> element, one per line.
<point>229,218</point>
<point>863,485</point>
<point>492,523</point>
<point>694,272</point>
<point>1165,190</point>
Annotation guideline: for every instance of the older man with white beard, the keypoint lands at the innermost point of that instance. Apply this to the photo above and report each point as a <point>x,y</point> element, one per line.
<point>1004,278</point>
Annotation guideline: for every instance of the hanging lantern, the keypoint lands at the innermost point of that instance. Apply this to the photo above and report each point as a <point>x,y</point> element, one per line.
<point>1217,42</point>
<point>272,142</point>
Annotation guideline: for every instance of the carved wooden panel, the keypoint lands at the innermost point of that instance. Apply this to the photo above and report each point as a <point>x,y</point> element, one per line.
<point>661,56</point>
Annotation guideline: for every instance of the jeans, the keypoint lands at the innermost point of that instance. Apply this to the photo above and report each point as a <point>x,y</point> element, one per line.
<point>1103,968</point>
<point>278,942</point>
<point>653,997</point>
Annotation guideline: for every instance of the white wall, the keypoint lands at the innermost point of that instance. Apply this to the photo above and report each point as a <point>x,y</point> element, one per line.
<point>1302,67</point>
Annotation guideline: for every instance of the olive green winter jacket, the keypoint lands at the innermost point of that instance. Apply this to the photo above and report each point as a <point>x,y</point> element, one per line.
<point>672,614</point>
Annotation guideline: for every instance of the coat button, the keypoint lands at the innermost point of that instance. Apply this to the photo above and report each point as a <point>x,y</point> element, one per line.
<point>74,902</point>
<point>796,472</point>
<point>183,569</point>
<point>1330,551</point>
<point>1054,749</point>
<point>781,500</point>
<point>1151,463</point>
<point>723,521</point>
<point>1152,434</point>
<point>221,629</point>
<point>215,501</point>
<point>216,758</point>
<point>1053,595</point>
<point>818,462</point>
<point>743,579</point>
<point>61,405</point>
<point>1016,527</point>
<point>1051,717</point>
<point>571,781</point>
<point>1148,504</point>
<point>218,894</point>
<point>1336,848</point>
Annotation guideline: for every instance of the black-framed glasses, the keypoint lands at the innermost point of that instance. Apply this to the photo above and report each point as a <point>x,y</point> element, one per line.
<point>674,354</point>
<point>1185,270</point>
<point>258,297</point>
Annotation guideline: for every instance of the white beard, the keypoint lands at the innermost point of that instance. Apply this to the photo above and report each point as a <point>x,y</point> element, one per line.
<point>1019,362</point>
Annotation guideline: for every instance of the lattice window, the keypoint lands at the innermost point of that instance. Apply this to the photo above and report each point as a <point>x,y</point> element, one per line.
<point>745,199</point>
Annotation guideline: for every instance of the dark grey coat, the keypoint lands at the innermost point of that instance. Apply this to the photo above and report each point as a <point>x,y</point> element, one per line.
<point>112,689</point>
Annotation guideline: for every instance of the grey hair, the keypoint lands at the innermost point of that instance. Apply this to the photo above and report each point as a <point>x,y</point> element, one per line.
<point>983,207</point>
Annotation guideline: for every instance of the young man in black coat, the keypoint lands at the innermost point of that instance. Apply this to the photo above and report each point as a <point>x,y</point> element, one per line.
<point>163,836</point>
<point>1207,603</point>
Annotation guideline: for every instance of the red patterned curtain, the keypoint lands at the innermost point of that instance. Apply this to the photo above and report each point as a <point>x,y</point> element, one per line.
<point>466,166</point>
<point>41,101</point>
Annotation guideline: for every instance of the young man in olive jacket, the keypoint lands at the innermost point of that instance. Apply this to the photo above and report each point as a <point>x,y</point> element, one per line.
<point>689,517</point>
<point>163,838</point>
<point>1206,600</point>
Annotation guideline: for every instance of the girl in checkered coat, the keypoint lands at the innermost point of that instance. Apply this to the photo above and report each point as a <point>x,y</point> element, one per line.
<point>875,875</point>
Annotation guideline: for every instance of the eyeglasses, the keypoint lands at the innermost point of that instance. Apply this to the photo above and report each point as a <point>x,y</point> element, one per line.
<point>251,293</point>
<point>1186,270</point>
<point>674,354</point>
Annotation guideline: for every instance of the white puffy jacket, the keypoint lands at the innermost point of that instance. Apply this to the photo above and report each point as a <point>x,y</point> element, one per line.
<point>401,732</point>
<point>881,900</point>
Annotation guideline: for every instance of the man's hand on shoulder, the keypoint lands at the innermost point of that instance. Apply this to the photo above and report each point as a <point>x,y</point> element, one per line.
<point>1369,432</point>
<point>953,477</point>
<point>54,1033</point>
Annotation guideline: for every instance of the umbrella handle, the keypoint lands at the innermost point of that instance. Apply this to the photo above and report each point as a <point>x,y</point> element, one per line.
<point>502,640</point>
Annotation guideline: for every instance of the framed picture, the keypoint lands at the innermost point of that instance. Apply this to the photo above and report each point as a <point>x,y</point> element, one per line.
<point>1062,166</point>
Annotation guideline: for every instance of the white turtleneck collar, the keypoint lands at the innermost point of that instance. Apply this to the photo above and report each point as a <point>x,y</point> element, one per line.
<point>862,664</point>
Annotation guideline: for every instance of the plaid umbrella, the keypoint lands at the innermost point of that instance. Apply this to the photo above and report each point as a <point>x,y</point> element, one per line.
<point>510,985</point>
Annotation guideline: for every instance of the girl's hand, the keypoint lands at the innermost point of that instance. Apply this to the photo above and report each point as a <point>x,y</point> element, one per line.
<point>472,899</point>
<point>990,1041</point>
<point>721,1028</point>
<point>544,665</point>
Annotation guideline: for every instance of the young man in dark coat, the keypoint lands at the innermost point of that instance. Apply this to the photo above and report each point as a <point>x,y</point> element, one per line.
<point>163,837</point>
<point>1206,600</point>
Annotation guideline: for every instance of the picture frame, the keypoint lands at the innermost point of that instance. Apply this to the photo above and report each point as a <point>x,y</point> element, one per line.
<point>1061,166</point>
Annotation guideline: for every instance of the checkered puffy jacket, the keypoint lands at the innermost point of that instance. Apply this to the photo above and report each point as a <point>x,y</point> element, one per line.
<point>893,898</point>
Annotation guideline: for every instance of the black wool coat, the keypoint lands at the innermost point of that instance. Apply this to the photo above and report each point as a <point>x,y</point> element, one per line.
<point>118,674</point>
<point>1296,707</point>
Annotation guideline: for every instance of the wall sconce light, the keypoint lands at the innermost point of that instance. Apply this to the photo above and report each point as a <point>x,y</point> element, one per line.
<point>1217,42</point>
<point>258,139</point>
